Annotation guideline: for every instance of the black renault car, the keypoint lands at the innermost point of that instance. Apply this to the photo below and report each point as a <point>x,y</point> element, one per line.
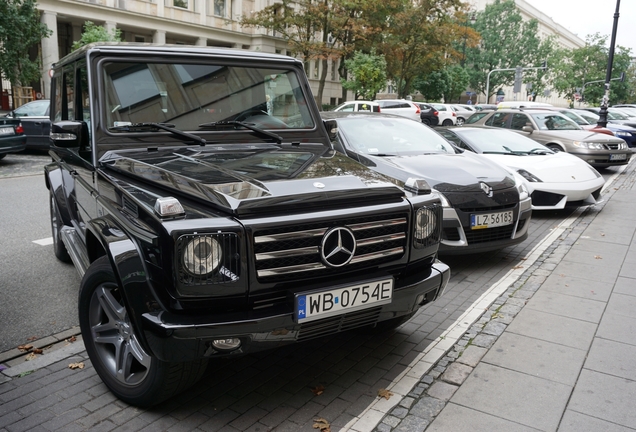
<point>486,207</point>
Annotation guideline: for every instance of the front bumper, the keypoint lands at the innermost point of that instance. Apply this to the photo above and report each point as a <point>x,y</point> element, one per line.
<point>459,239</point>
<point>604,158</point>
<point>176,338</point>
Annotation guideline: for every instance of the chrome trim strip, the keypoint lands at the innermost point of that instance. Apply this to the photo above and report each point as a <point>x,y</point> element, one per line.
<point>377,224</point>
<point>375,255</point>
<point>287,253</point>
<point>290,235</point>
<point>381,239</point>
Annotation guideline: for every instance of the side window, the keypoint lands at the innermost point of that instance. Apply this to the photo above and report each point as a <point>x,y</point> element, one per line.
<point>347,108</point>
<point>83,100</point>
<point>498,119</point>
<point>56,105</point>
<point>519,121</point>
<point>68,97</point>
<point>476,117</point>
<point>364,107</point>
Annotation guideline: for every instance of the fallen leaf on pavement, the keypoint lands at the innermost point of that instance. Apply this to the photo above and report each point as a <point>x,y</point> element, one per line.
<point>79,365</point>
<point>322,424</point>
<point>37,351</point>
<point>24,348</point>
<point>384,393</point>
<point>318,390</point>
<point>30,356</point>
<point>71,339</point>
<point>598,257</point>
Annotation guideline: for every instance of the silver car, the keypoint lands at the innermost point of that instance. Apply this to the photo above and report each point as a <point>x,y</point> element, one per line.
<point>559,133</point>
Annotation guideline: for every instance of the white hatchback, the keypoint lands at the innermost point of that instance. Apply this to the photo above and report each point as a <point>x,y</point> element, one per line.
<point>401,107</point>
<point>358,105</point>
<point>447,117</point>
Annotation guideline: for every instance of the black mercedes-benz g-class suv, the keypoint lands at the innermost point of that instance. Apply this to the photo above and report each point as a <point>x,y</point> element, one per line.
<point>197,193</point>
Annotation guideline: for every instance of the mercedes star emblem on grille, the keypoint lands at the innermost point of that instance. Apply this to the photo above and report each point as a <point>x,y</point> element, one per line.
<point>338,247</point>
<point>486,188</point>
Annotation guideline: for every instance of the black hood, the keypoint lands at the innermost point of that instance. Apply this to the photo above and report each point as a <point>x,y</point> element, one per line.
<point>248,179</point>
<point>447,173</point>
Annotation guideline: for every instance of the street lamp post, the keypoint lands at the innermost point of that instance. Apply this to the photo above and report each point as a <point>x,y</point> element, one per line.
<point>602,115</point>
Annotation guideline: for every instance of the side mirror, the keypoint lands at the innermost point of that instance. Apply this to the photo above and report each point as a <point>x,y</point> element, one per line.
<point>69,134</point>
<point>528,129</point>
<point>332,129</point>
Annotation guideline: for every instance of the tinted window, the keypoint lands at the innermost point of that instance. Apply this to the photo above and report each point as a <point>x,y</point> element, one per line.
<point>476,117</point>
<point>519,121</point>
<point>498,119</point>
<point>554,122</point>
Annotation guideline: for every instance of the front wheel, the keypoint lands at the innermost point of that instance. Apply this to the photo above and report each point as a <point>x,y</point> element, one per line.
<point>555,148</point>
<point>121,362</point>
<point>447,122</point>
<point>460,121</point>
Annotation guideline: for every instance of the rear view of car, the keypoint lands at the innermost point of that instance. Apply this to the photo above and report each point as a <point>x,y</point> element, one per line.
<point>401,107</point>
<point>12,138</point>
<point>358,105</point>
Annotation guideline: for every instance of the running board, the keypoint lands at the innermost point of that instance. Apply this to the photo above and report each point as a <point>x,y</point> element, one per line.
<point>76,249</point>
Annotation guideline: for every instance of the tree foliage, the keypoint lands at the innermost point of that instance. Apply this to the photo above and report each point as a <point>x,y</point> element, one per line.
<point>20,29</point>
<point>584,69</point>
<point>446,84</point>
<point>507,41</point>
<point>96,33</point>
<point>368,74</point>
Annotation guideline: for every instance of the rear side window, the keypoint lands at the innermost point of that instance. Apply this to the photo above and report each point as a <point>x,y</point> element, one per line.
<point>498,119</point>
<point>476,117</point>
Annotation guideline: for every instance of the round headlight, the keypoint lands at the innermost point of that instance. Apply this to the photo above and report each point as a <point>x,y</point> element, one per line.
<point>202,256</point>
<point>425,223</point>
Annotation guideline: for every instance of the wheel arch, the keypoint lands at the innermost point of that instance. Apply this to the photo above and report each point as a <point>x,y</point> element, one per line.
<point>55,184</point>
<point>105,237</point>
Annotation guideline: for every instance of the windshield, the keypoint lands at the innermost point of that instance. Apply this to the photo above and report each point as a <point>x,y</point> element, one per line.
<point>554,122</point>
<point>575,118</point>
<point>616,115</point>
<point>589,116</point>
<point>187,95</point>
<point>388,136</point>
<point>500,141</point>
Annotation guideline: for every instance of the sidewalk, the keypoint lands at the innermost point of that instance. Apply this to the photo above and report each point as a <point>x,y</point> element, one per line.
<point>557,351</point>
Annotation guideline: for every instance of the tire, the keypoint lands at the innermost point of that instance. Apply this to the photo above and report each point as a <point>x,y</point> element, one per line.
<point>447,122</point>
<point>114,349</point>
<point>426,121</point>
<point>554,147</point>
<point>460,121</point>
<point>59,248</point>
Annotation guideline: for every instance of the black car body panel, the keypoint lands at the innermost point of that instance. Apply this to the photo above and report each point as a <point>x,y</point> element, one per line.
<point>12,138</point>
<point>265,194</point>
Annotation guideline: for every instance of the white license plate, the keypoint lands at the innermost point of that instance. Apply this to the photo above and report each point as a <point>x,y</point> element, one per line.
<point>323,304</point>
<point>6,131</point>
<point>491,220</point>
<point>617,157</point>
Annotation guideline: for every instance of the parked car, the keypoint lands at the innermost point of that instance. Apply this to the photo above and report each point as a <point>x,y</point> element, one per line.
<point>522,104</point>
<point>615,115</point>
<point>428,114</point>
<point>462,113</point>
<point>477,115</point>
<point>486,207</point>
<point>35,120</point>
<point>358,105</point>
<point>582,122</point>
<point>447,116</point>
<point>559,133</point>
<point>401,107</point>
<point>480,107</point>
<point>554,180</point>
<point>628,133</point>
<point>206,223</point>
<point>12,138</point>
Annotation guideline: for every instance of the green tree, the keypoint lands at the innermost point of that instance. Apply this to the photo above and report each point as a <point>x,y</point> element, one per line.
<point>368,74</point>
<point>419,37</point>
<point>507,41</point>
<point>95,33</point>
<point>20,29</point>
<point>585,69</point>
<point>446,84</point>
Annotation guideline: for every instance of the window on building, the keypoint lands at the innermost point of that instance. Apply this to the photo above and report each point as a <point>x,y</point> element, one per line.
<point>316,68</point>
<point>140,38</point>
<point>220,8</point>
<point>180,3</point>
<point>334,69</point>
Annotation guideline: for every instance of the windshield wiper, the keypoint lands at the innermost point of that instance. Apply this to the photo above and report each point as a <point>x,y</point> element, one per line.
<point>540,151</point>
<point>259,131</point>
<point>142,127</point>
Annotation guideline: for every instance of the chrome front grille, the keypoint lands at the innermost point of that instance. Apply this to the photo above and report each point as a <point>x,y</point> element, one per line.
<point>612,146</point>
<point>295,251</point>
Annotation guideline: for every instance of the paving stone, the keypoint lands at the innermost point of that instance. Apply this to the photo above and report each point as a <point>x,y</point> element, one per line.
<point>456,373</point>
<point>412,424</point>
<point>484,341</point>
<point>472,355</point>
<point>442,390</point>
<point>494,328</point>
<point>399,412</point>
<point>427,408</point>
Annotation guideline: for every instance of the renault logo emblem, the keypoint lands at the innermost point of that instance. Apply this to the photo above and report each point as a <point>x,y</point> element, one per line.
<point>338,247</point>
<point>486,188</point>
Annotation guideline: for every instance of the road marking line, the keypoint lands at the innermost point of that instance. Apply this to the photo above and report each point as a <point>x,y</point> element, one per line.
<point>44,241</point>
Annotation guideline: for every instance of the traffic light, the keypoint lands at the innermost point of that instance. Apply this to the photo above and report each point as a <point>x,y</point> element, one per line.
<point>518,79</point>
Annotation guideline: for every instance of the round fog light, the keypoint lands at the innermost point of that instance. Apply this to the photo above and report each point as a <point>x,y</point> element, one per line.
<point>228,344</point>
